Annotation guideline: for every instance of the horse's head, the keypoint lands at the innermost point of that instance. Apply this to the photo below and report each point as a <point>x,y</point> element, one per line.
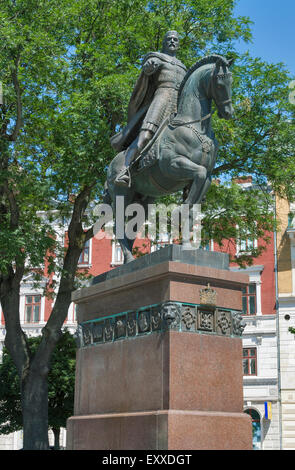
<point>221,85</point>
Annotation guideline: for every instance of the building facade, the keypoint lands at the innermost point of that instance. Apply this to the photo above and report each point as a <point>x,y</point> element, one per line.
<point>260,349</point>
<point>285,239</point>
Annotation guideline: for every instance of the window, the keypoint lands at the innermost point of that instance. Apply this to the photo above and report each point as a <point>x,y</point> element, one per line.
<point>249,299</point>
<point>85,255</point>
<point>256,428</point>
<point>32,308</point>
<point>117,253</point>
<point>249,361</point>
<point>246,245</point>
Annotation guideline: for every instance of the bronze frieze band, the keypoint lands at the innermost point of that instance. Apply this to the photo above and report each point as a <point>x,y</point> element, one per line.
<point>169,315</point>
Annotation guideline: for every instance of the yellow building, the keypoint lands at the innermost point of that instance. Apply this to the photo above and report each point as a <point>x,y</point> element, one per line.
<point>286,310</point>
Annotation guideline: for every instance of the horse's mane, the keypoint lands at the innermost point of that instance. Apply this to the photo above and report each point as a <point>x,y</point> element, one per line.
<point>210,59</point>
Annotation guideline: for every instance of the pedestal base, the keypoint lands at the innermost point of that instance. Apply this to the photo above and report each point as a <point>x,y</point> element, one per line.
<point>169,390</point>
<point>157,368</point>
<point>161,430</point>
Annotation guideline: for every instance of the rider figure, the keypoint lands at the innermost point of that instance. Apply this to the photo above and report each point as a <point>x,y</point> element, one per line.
<point>153,99</point>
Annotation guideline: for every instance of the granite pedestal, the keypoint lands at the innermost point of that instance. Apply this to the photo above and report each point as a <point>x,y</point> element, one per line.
<point>159,362</point>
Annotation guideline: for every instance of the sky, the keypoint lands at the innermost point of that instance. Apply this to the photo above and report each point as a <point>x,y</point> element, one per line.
<point>273,30</point>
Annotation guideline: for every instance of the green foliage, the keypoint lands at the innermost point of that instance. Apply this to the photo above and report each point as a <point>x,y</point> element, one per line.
<point>260,140</point>
<point>61,382</point>
<point>232,214</point>
<point>68,69</point>
<point>10,402</point>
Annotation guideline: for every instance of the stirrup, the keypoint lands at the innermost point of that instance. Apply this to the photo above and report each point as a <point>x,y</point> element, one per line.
<point>121,182</point>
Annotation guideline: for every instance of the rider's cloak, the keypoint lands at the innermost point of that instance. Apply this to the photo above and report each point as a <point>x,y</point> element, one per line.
<point>139,103</point>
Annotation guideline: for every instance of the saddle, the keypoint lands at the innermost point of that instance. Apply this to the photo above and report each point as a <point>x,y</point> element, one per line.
<point>150,154</point>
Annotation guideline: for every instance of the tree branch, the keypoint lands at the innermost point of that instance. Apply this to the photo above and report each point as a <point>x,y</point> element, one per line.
<point>66,286</point>
<point>89,234</point>
<point>14,211</point>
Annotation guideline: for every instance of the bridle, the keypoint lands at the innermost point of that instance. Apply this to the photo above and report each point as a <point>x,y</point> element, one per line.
<point>220,75</point>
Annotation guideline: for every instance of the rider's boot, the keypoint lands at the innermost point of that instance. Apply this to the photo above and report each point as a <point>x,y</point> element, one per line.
<point>124,178</point>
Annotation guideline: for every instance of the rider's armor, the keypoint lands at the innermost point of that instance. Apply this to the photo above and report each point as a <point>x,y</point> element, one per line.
<point>154,98</point>
<point>166,74</point>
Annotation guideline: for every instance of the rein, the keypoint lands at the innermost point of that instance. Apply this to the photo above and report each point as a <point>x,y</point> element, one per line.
<point>178,123</point>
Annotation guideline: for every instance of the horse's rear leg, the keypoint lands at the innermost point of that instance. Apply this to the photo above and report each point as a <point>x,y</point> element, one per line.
<point>122,198</point>
<point>125,243</point>
<point>196,195</point>
<point>127,246</point>
<point>188,200</point>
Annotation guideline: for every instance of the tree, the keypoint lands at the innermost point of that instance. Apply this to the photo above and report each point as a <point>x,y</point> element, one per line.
<point>61,384</point>
<point>68,68</point>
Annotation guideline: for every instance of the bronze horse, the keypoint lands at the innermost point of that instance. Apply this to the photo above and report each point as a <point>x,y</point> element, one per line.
<point>183,152</point>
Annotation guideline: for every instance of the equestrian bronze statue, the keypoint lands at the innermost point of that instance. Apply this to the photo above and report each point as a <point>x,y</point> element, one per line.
<point>168,143</point>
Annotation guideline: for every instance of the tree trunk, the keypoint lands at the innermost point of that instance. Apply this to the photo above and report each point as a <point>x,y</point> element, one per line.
<point>56,432</point>
<point>35,411</point>
<point>33,370</point>
<point>15,340</point>
<point>33,379</point>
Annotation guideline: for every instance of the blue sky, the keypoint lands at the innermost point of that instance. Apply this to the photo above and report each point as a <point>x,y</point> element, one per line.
<point>273,30</point>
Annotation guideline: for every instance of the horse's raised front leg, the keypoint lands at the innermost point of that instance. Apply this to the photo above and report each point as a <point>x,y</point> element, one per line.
<point>183,168</point>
